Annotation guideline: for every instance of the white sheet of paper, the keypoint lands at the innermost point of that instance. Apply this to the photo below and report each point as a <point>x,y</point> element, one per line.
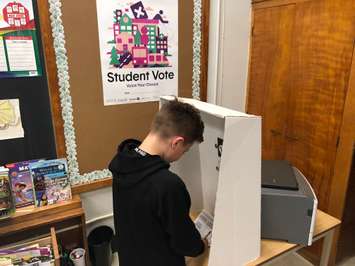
<point>3,65</point>
<point>204,224</point>
<point>21,53</point>
<point>10,119</point>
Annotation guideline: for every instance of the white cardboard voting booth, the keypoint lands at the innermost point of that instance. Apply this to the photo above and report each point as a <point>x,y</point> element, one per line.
<point>225,180</point>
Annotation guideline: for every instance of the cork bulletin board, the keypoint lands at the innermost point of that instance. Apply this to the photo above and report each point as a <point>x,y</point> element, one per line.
<point>99,129</point>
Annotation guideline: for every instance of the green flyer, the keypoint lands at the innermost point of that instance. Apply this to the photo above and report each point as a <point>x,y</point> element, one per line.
<point>19,52</point>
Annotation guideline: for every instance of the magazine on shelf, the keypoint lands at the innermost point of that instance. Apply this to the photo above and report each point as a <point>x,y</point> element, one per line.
<point>51,182</point>
<point>39,256</point>
<point>6,201</point>
<point>21,183</point>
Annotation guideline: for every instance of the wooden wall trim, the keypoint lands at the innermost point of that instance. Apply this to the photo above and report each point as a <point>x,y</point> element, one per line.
<point>78,189</point>
<point>246,105</point>
<point>344,156</point>
<point>51,70</point>
<point>345,148</point>
<point>257,4</point>
<point>204,49</point>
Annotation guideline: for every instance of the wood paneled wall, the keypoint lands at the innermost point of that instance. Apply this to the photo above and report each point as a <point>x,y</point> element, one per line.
<point>300,83</point>
<point>300,62</point>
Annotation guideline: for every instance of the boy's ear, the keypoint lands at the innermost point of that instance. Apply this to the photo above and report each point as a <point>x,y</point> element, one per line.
<point>176,141</point>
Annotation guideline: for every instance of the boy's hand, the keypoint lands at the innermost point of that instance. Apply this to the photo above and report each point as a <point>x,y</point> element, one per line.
<point>206,243</point>
<point>207,240</point>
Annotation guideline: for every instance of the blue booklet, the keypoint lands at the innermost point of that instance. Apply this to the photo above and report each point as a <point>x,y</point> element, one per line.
<point>51,182</point>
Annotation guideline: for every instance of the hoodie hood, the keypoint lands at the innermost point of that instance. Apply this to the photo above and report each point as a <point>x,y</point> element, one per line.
<point>131,168</point>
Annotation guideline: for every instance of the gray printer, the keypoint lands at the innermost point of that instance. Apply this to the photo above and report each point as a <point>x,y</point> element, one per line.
<point>288,204</point>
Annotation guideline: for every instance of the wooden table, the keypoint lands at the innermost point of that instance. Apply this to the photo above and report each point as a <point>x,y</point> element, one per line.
<point>272,250</point>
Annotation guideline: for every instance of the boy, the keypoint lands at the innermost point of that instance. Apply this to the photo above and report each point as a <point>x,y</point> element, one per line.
<point>151,204</point>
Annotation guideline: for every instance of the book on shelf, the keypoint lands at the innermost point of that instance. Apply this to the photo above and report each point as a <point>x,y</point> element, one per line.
<point>51,182</point>
<point>21,183</point>
<point>6,201</point>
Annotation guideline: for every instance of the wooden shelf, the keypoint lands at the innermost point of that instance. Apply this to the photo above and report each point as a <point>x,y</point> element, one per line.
<point>32,217</point>
<point>51,240</point>
<point>107,182</point>
<point>54,244</point>
<point>30,224</point>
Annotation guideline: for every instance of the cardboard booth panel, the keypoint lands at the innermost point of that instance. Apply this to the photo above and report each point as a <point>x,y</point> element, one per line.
<point>189,169</point>
<point>210,155</point>
<point>223,176</point>
<point>238,202</point>
<point>199,167</point>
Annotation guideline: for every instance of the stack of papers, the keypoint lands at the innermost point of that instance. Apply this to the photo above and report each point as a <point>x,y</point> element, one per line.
<point>31,255</point>
<point>204,224</point>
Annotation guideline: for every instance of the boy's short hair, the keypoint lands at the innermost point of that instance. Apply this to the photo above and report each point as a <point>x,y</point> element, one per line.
<point>179,119</point>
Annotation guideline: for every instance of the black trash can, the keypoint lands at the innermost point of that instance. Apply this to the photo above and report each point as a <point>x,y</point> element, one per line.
<point>99,241</point>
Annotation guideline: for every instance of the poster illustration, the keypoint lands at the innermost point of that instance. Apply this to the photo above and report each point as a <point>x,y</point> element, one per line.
<point>138,50</point>
<point>10,119</point>
<point>19,54</point>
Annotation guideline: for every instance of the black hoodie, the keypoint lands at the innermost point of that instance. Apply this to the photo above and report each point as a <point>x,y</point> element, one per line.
<point>151,211</point>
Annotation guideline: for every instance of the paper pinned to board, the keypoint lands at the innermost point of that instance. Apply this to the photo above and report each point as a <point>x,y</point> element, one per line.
<point>10,119</point>
<point>19,50</point>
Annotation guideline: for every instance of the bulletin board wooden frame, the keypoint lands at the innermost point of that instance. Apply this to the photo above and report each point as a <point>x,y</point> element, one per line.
<point>200,51</point>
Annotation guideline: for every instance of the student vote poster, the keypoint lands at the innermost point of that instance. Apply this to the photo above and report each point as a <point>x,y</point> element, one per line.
<point>138,49</point>
<point>19,52</point>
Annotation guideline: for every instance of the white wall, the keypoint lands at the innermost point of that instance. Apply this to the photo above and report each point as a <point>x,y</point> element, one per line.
<point>230,22</point>
<point>98,208</point>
